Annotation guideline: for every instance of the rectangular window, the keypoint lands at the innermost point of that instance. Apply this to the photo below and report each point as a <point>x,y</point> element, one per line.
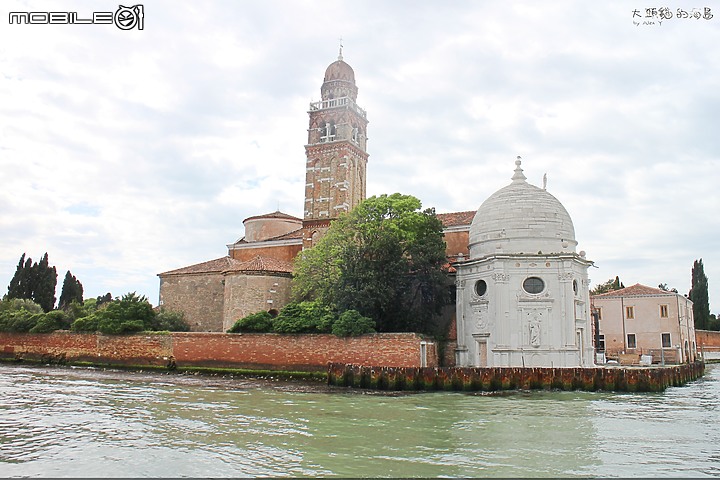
<point>629,312</point>
<point>666,340</point>
<point>599,313</point>
<point>631,343</point>
<point>601,343</point>
<point>663,311</point>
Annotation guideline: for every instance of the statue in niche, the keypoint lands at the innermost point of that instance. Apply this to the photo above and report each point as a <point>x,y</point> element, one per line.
<point>534,334</point>
<point>534,327</point>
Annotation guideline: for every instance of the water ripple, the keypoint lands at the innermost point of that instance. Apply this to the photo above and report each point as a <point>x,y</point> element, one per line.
<point>69,422</point>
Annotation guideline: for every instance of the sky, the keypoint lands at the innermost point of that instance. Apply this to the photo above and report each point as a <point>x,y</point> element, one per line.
<point>127,153</point>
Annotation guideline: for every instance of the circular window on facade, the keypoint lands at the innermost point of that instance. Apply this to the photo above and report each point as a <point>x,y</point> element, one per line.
<point>480,288</point>
<point>533,285</point>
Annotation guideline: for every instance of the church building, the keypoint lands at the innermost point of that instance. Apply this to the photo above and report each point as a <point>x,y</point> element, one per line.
<point>257,271</point>
<point>522,291</point>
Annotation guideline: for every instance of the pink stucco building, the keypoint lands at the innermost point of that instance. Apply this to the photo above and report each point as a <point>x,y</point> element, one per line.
<point>641,320</point>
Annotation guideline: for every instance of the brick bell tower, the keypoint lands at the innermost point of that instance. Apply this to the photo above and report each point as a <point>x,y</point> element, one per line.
<point>336,152</point>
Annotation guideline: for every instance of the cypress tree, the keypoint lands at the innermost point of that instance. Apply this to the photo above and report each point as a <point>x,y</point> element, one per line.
<point>21,284</point>
<point>699,296</point>
<point>44,283</point>
<point>72,290</point>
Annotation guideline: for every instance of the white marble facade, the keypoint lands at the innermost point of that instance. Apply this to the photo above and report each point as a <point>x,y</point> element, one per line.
<point>522,295</point>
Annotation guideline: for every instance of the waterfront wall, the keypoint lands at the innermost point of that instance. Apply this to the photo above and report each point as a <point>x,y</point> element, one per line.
<point>619,379</point>
<point>219,350</point>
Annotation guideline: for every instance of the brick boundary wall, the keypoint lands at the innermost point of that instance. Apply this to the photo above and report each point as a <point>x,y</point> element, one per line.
<point>194,349</point>
<point>619,379</point>
<point>707,338</point>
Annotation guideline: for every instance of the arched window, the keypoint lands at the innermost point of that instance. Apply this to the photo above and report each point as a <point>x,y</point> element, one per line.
<point>328,132</point>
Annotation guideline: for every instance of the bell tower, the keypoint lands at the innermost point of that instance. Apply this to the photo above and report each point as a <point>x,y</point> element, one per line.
<point>336,152</point>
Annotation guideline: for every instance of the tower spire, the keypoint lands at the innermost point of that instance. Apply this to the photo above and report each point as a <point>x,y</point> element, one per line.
<point>340,57</point>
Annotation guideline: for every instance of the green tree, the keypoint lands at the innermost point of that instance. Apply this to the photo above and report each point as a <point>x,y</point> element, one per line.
<point>713,323</point>
<point>609,286</point>
<point>351,324</point>
<point>45,278</point>
<point>72,291</point>
<point>383,259</point>
<point>102,299</point>
<point>21,284</point>
<point>51,321</point>
<point>34,281</point>
<point>699,296</point>
<point>129,314</point>
<point>304,317</point>
<point>19,314</point>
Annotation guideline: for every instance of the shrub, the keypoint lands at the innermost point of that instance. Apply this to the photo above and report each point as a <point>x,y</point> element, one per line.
<point>256,322</point>
<point>125,315</point>
<point>16,304</point>
<point>23,321</point>
<point>170,321</point>
<point>19,315</point>
<point>85,324</point>
<point>51,321</point>
<point>78,310</point>
<point>114,326</point>
<point>304,317</point>
<point>351,324</point>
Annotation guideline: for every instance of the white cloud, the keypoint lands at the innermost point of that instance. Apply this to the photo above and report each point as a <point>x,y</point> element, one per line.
<point>124,154</point>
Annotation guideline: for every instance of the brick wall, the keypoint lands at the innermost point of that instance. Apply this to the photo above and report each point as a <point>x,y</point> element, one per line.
<point>707,338</point>
<point>457,242</point>
<point>261,351</point>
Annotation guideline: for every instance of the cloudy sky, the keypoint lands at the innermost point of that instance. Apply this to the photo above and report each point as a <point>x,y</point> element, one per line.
<point>124,154</point>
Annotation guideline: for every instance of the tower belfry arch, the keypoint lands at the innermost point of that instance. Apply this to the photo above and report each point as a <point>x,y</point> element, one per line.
<point>336,152</point>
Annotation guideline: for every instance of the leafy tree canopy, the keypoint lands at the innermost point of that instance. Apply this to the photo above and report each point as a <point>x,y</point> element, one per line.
<point>384,259</point>
<point>609,286</point>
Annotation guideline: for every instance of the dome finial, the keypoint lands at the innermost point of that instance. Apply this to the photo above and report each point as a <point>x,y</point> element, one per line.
<point>340,53</point>
<point>519,176</point>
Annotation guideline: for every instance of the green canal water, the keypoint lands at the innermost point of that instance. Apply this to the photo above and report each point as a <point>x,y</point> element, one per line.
<point>78,422</point>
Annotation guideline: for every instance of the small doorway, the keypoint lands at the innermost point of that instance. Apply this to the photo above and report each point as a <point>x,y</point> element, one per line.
<point>481,352</point>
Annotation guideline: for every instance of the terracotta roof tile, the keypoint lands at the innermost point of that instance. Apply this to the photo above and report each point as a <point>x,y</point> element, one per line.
<point>456,219</point>
<point>262,264</point>
<point>228,264</point>
<point>218,265</point>
<point>276,214</point>
<point>295,234</point>
<point>635,290</point>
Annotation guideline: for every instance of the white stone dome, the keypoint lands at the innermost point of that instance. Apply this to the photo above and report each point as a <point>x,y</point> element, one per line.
<point>521,218</point>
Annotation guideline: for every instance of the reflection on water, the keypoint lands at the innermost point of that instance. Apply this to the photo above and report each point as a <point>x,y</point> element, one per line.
<point>82,422</point>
